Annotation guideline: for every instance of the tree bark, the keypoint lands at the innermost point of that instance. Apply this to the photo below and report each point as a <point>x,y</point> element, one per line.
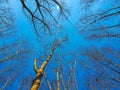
<point>39,72</point>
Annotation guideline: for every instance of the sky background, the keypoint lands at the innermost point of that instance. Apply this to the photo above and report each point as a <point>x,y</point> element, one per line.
<point>75,43</point>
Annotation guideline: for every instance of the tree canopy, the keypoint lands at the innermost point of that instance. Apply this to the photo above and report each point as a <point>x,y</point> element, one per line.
<point>59,44</point>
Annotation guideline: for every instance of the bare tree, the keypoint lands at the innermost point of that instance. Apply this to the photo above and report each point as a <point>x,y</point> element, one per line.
<point>105,64</point>
<point>6,21</point>
<point>62,82</point>
<point>13,59</point>
<point>13,54</point>
<point>43,14</point>
<point>103,61</point>
<point>25,83</point>
<point>97,24</point>
<point>39,72</point>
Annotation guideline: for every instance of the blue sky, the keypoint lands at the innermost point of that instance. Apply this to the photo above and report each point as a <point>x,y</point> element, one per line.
<point>75,43</point>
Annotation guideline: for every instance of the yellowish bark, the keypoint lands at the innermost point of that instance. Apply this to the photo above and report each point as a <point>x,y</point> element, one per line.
<point>36,82</point>
<point>39,72</point>
<point>49,85</point>
<point>58,80</point>
<point>58,77</point>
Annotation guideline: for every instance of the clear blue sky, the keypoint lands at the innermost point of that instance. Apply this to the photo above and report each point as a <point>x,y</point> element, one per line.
<point>76,40</point>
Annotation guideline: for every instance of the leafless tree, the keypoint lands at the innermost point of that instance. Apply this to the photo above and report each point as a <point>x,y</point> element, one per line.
<point>105,64</point>
<point>104,61</point>
<point>97,24</point>
<point>39,72</point>
<point>6,21</point>
<point>44,14</point>
<point>62,82</point>
<point>13,59</point>
<point>25,83</point>
<point>13,54</point>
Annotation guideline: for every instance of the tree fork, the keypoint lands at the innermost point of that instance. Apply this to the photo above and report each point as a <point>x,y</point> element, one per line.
<point>39,72</point>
